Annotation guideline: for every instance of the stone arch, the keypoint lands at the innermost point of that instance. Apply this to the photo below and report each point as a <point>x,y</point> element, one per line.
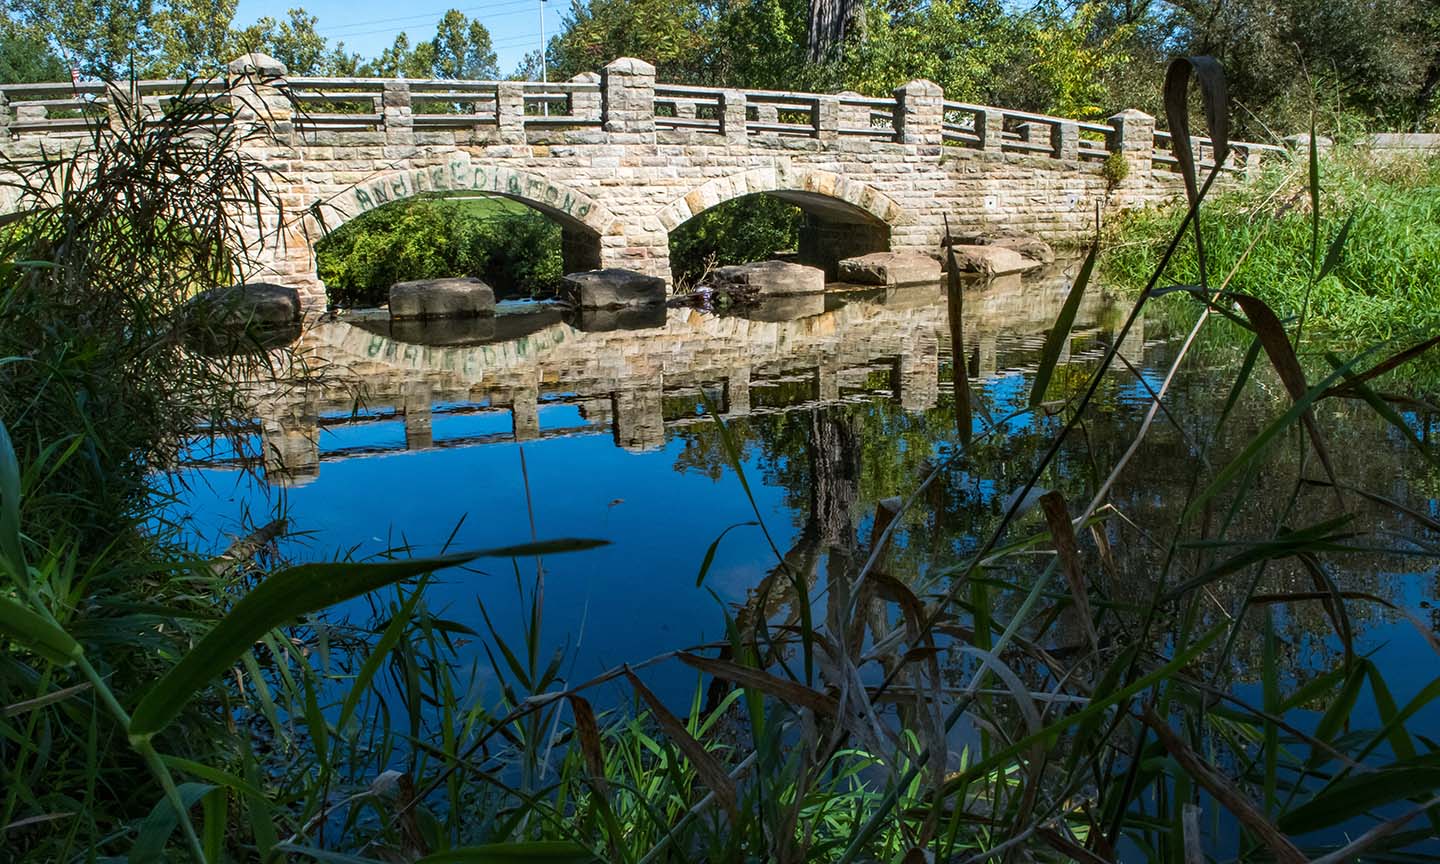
<point>843,217</point>
<point>582,219</point>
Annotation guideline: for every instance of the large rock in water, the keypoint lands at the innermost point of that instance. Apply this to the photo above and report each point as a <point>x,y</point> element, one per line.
<point>257,304</point>
<point>614,288</point>
<point>770,278</point>
<point>462,297</point>
<point>890,268</point>
<point>992,260</point>
<point>1030,246</point>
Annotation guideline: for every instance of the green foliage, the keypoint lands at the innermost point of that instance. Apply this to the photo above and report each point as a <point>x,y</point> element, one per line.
<point>514,249</point>
<point>1115,169</point>
<point>752,228</point>
<point>1384,285</point>
<point>663,32</point>
<point>26,59</point>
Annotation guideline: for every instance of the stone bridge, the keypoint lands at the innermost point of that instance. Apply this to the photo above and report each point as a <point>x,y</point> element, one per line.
<point>620,161</point>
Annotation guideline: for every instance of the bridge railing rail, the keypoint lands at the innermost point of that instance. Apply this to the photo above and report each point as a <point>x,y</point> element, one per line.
<point>916,113</point>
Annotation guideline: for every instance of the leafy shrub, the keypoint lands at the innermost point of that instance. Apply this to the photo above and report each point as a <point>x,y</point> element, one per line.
<point>514,249</point>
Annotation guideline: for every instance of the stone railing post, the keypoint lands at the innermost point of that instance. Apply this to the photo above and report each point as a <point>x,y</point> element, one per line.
<point>853,116</point>
<point>1034,133</point>
<point>1065,140</point>
<point>827,118</point>
<point>990,129</point>
<point>396,113</point>
<point>628,89</point>
<point>920,113</point>
<point>732,116</point>
<point>1134,139</point>
<point>585,104</point>
<point>510,110</point>
<point>5,114</point>
<point>257,94</point>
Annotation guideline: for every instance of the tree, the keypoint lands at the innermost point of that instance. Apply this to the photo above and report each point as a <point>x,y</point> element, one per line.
<point>462,49</point>
<point>294,42</point>
<point>667,33</point>
<point>26,58</point>
<point>191,37</point>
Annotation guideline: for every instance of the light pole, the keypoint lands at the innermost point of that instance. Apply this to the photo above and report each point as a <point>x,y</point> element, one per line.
<point>543,78</point>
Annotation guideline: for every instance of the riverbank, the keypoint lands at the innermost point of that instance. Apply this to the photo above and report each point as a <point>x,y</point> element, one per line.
<point>1259,237</point>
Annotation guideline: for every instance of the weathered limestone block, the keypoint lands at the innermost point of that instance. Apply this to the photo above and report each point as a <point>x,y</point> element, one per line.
<point>613,287</point>
<point>890,268</point>
<point>257,303</point>
<point>465,297</point>
<point>1030,246</point>
<point>992,260</point>
<point>771,278</point>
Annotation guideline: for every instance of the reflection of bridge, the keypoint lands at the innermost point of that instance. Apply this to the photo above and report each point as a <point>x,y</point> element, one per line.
<point>878,345</point>
<point>619,160</point>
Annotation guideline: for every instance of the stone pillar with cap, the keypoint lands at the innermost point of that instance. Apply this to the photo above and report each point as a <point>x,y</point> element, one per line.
<point>1134,138</point>
<point>585,103</point>
<point>258,94</point>
<point>628,93</point>
<point>920,113</point>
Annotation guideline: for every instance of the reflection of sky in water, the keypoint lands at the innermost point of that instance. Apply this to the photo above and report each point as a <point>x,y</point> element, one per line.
<point>661,510</point>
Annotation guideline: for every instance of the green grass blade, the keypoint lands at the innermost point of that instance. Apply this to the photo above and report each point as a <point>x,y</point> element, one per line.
<point>30,630</point>
<point>1050,356</point>
<point>11,554</point>
<point>393,631</point>
<point>536,852</point>
<point>286,596</point>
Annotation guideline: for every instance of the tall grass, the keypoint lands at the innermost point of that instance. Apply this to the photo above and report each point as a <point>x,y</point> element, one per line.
<point>1383,287</point>
<point>1065,690</point>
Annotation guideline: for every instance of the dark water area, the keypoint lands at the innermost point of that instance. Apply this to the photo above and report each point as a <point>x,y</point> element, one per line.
<point>599,428</point>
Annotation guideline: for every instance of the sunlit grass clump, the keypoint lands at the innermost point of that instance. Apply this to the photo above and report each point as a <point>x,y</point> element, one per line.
<point>1387,282</point>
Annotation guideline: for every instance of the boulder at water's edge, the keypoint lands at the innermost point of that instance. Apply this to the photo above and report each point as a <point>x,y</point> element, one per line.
<point>459,297</point>
<point>614,288</point>
<point>890,268</point>
<point>767,278</point>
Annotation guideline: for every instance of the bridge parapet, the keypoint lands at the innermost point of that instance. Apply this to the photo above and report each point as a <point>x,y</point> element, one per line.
<point>625,101</point>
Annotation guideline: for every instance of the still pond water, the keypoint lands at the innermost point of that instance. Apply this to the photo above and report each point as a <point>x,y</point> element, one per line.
<point>478,435</point>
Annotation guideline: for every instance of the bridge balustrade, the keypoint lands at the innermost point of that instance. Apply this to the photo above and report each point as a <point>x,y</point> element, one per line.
<point>381,104</point>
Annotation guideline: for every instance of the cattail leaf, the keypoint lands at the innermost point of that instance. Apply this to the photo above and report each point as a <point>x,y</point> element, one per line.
<point>715,546</point>
<point>533,852</point>
<point>1394,361</point>
<point>1337,248</point>
<point>1061,330</point>
<point>587,731</point>
<point>1210,75</point>
<point>789,692</point>
<point>30,630</point>
<point>955,310</point>
<point>286,596</point>
<point>1224,792</point>
<point>12,556</point>
<point>1282,356</point>
<point>1062,531</point>
<point>711,774</point>
<point>1362,793</point>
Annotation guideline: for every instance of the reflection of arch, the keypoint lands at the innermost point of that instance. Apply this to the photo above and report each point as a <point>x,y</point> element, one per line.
<point>822,193</point>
